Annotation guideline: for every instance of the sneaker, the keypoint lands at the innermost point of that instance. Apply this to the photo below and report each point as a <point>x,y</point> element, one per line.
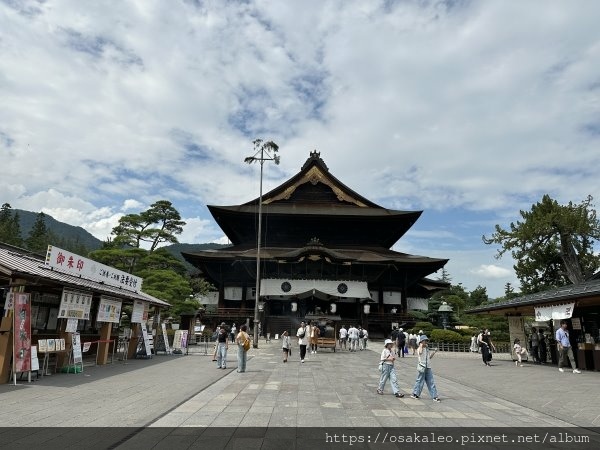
<point>414,396</point>
<point>379,391</point>
<point>399,394</point>
<point>437,400</point>
<point>560,369</point>
<point>576,371</point>
<point>302,361</point>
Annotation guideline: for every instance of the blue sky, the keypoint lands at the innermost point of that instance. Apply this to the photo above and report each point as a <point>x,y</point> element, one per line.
<point>470,111</point>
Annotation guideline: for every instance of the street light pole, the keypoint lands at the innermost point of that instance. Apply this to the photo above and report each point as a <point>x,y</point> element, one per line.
<point>268,152</point>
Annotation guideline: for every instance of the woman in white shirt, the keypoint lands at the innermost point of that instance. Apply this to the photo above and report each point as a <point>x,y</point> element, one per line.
<point>424,372</point>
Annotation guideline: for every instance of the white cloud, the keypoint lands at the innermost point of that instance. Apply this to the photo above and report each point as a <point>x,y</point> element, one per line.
<point>492,271</point>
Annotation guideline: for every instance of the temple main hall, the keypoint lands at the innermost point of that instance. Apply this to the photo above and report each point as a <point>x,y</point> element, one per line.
<point>325,257</point>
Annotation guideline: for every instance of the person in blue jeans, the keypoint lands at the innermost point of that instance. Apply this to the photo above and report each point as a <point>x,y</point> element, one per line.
<point>424,372</point>
<point>387,369</point>
<point>222,346</point>
<point>242,355</point>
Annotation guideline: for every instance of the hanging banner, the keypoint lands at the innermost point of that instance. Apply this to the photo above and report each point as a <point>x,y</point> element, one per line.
<point>165,338</point>
<point>109,310</point>
<point>79,266</point>
<point>554,312</point>
<point>75,305</point>
<point>146,340</point>
<point>140,311</point>
<point>22,333</point>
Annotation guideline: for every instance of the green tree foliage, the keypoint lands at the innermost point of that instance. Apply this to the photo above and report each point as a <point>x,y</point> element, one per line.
<point>165,276</point>
<point>477,297</point>
<point>40,236</point>
<point>159,224</point>
<point>553,245</point>
<point>10,226</point>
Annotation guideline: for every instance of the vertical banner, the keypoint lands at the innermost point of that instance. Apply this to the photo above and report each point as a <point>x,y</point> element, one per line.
<point>166,338</point>
<point>22,333</point>
<point>140,311</point>
<point>77,356</point>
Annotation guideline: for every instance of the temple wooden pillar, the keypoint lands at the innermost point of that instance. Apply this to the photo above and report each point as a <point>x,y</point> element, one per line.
<point>136,331</point>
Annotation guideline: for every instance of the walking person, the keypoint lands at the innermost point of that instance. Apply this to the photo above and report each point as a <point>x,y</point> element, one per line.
<point>388,370</point>
<point>534,342</point>
<point>353,338</point>
<point>519,352</point>
<point>222,346</point>
<point>401,342</point>
<point>365,338</point>
<point>564,348</point>
<point>302,340</point>
<point>486,345</point>
<point>233,333</point>
<point>286,345</point>
<point>315,332</point>
<point>243,342</point>
<point>474,346</point>
<point>542,347</point>
<point>343,337</point>
<point>424,372</point>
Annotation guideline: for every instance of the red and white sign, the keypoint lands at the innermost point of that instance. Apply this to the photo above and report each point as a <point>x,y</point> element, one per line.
<point>22,333</point>
<point>79,266</point>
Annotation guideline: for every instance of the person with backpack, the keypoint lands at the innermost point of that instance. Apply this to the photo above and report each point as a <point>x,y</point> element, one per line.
<point>243,342</point>
<point>222,346</point>
<point>401,342</point>
<point>361,337</point>
<point>315,332</point>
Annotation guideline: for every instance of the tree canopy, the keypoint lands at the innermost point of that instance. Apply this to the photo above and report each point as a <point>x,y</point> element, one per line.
<point>553,244</point>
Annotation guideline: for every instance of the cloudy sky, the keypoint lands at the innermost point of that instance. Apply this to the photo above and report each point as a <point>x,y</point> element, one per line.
<point>467,110</point>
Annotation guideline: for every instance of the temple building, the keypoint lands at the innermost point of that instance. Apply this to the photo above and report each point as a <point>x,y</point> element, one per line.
<point>325,255</point>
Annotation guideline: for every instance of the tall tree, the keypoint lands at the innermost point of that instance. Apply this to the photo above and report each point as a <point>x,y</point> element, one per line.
<point>160,223</point>
<point>10,226</point>
<point>478,296</point>
<point>553,244</point>
<point>40,236</point>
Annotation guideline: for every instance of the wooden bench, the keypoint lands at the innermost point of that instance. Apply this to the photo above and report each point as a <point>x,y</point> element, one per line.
<point>327,343</point>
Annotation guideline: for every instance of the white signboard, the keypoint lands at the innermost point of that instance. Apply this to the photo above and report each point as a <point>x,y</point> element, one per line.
<point>75,305</point>
<point>109,310</point>
<point>146,341</point>
<point>71,325</point>
<point>35,363</point>
<point>140,311</point>
<point>71,263</point>
<point>10,301</point>
<point>77,356</point>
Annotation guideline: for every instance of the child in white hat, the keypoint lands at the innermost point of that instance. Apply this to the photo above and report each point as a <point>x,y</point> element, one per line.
<point>386,365</point>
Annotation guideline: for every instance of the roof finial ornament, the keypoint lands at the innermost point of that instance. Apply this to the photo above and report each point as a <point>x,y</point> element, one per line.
<point>315,154</point>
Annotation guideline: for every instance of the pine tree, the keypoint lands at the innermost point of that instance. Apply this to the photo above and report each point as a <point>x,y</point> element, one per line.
<point>40,236</point>
<point>10,226</point>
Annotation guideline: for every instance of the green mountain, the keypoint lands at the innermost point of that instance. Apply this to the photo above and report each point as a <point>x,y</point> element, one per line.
<point>76,236</point>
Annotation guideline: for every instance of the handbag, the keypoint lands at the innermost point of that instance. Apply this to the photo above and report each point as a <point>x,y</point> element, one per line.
<point>421,368</point>
<point>380,367</point>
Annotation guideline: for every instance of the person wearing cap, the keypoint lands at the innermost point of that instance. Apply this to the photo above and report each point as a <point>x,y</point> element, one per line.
<point>387,369</point>
<point>424,372</point>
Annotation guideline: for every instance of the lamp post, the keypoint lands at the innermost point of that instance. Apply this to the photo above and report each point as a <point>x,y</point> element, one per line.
<point>445,309</point>
<point>264,151</point>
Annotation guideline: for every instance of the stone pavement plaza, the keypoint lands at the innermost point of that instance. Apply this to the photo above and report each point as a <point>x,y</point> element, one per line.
<point>179,395</point>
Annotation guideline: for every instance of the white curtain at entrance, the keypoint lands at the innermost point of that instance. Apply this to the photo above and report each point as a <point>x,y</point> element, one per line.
<point>556,312</point>
<point>273,286</point>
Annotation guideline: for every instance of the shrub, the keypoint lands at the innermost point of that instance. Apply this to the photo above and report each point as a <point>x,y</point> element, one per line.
<point>448,336</point>
<point>427,327</point>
